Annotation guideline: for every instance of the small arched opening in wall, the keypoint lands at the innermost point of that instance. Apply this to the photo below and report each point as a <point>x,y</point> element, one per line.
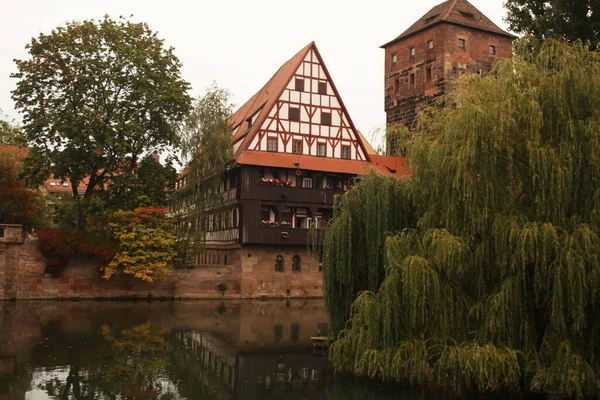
<point>296,263</point>
<point>279,263</point>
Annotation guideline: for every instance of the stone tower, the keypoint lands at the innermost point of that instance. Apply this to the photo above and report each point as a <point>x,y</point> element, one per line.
<point>451,39</point>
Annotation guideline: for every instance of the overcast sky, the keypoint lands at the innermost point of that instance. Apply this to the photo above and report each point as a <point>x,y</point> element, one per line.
<point>240,43</point>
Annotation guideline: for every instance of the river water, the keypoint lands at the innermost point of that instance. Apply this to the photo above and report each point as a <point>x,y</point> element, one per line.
<point>173,350</point>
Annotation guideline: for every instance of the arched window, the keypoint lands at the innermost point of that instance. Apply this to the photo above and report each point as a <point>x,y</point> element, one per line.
<point>296,261</point>
<point>279,263</point>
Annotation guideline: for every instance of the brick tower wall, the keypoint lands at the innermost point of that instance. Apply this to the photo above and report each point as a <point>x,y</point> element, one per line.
<point>405,96</point>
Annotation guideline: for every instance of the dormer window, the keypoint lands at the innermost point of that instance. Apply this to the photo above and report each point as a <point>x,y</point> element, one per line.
<point>467,14</point>
<point>300,85</point>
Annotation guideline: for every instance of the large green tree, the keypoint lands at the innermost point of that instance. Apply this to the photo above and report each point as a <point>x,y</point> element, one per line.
<point>94,96</point>
<point>498,282</point>
<point>567,19</point>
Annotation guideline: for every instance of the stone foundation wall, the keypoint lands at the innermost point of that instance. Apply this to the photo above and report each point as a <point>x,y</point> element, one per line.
<point>22,276</point>
<point>260,278</point>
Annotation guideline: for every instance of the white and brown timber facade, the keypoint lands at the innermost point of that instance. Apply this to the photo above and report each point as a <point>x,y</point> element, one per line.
<point>295,147</point>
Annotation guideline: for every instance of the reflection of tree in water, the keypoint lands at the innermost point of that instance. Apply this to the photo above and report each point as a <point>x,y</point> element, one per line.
<point>131,365</point>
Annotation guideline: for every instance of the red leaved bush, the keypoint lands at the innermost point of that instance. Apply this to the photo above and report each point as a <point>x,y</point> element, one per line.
<point>57,246</point>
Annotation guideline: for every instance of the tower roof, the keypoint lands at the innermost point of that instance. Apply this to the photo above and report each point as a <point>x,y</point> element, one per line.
<point>457,12</point>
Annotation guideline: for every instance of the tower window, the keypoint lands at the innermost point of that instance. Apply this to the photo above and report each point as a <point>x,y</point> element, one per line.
<point>462,44</point>
<point>321,150</point>
<point>492,50</point>
<point>300,85</point>
<point>279,263</point>
<point>272,144</point>
<point>430,44</point>
<point>297,147</point>
<point>412,52</point>
<point>322,87</point>
<point>428,74</point>
<point>294,114</point>
<point>346,152</point>
<point>326,118</point>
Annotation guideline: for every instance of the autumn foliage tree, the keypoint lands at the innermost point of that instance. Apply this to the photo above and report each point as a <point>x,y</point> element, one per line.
<point>18,204</point>
<point>96,95</point>
<point>146,244</point>
<point>497,283</point>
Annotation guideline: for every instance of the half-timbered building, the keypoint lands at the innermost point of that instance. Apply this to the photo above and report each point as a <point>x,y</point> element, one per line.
<point>295,147</point>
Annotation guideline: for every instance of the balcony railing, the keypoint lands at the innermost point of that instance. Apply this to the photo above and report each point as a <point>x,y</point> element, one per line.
<point>291,194</point>
<point>276,235</point>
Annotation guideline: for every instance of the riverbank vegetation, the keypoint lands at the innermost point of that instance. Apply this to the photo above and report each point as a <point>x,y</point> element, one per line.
<point>483,270</point>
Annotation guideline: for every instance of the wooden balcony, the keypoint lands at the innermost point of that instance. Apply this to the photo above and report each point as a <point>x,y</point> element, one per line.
<point>227,236</point>
<point>257,234</point>
<point>290,194</point>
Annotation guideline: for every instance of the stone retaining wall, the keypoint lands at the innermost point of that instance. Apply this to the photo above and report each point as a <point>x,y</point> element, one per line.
<point>22,277</point>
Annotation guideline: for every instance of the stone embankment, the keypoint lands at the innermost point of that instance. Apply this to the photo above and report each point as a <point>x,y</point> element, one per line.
<point>22,276</point>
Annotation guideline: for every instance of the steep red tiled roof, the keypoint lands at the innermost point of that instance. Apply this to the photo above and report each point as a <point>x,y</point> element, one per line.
<point>459,12</point>
<point>267,96</point>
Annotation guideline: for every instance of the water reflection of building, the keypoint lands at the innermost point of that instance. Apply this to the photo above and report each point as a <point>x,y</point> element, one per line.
<point>229,372</point>
<point>229,350</point>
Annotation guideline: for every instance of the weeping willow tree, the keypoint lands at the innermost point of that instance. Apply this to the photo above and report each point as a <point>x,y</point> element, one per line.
<point>354,245</point>
<point>498,283</point>
<point>206,143</point>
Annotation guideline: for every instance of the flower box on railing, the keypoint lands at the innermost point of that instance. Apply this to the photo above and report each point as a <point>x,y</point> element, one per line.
<point>275,182</point>
<point>272,224</point>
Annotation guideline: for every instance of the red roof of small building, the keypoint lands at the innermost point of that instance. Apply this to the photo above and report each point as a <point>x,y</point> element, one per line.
<point>51,184</point>
<point>458,12</point>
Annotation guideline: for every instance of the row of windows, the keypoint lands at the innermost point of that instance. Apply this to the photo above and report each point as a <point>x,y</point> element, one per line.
<point>297,148</point>
<point>299,86</point>
<point>462,44</point>
<point>296,263</point>
<point>294,115</point>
